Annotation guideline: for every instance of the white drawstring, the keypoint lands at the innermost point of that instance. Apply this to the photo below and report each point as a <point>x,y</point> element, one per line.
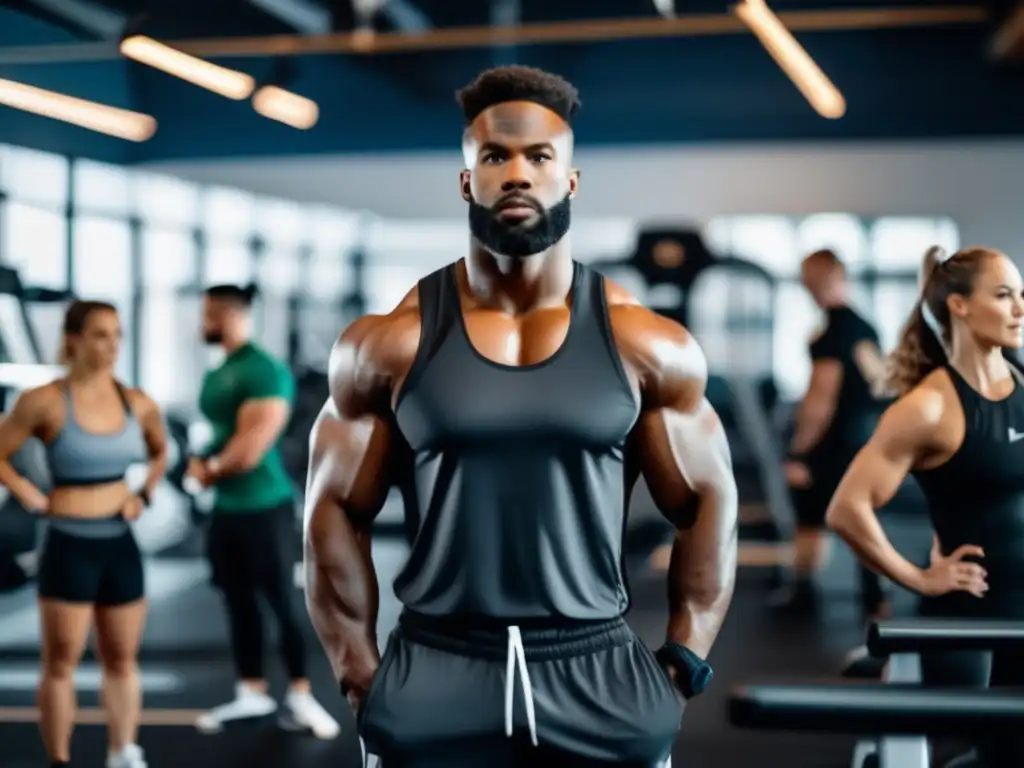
<point>369,761</point>
<point>517,660</point>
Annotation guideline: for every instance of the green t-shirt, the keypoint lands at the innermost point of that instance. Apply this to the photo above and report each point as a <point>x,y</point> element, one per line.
<point>248,373</point>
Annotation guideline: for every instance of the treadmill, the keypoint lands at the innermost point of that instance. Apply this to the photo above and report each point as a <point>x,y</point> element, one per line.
<point>21,369</point>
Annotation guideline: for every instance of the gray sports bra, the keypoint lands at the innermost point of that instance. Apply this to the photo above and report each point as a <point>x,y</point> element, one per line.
<point>79,457</point>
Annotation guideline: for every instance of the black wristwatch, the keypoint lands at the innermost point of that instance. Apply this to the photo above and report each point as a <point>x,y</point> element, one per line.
<point>693,674</point>
<point>144,497</point>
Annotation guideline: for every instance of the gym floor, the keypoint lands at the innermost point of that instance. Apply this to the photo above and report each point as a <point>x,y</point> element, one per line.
<point>186,668</point>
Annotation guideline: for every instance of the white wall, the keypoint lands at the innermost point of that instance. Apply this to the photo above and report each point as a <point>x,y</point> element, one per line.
<point>976,183</point>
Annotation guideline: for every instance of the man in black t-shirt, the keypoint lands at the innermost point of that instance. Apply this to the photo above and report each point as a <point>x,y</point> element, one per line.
<point>834,420</point>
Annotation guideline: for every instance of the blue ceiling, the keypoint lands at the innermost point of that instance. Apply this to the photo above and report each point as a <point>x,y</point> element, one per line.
<point>932,81</point>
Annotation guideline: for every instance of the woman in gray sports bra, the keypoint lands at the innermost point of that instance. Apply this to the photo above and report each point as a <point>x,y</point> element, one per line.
<point>90,567</point>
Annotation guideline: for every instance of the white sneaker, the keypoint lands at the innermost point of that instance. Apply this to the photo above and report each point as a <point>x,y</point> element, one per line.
<point>306,713</point>
<point>248,703</point>
<point>129,757</point>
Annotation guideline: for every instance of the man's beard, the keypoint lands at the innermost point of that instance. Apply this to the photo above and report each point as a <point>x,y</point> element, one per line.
<point>522,239</point>
<point>213,337</point>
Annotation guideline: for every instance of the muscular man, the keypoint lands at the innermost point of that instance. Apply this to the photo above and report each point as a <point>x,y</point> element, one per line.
<point>956,428</point>
<point>514,397</point>
<point>247,401</point>
<point>833,422</point>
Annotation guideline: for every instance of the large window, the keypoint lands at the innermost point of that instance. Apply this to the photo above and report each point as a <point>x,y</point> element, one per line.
<point>34,177</point>
<point>103,271</point>
<point>321,318</point>
<point>228,213</point>
<point>900,243</point>
<point>388,285</point>
<point>34,241</point>
<point>279,276</point>
<point>889,249</point>
<point>284,228</point>
<point>401,252</point>
<point>163,200</point>
<point>228,262</point>
<point>171,364</point>
<point>102,188</point>
<point>770,241</point>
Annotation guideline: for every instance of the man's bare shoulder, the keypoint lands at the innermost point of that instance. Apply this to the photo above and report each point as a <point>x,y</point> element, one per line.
<point>626,311</point>
<point>375,351</point>
<point>661,353</point>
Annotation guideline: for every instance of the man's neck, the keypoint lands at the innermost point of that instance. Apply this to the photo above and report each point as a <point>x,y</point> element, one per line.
<point>835,300</point>
<point>519,285</point>
<point>234,344</point>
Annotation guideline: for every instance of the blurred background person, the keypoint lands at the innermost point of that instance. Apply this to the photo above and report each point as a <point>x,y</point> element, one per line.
<point>90,572</point>
<point>247,400</point>
<point>833,421</point>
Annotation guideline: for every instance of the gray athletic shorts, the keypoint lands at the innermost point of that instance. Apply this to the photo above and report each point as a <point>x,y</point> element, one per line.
<point>454,693</point>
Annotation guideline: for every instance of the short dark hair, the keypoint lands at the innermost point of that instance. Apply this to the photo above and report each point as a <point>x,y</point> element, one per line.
<point>519,83</point>
<point>241,295</point>
<point>77,315</point>
<point>826,257</point>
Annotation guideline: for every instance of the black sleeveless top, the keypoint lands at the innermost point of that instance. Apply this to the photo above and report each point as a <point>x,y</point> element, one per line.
<point>977,496</point>
<point>515,494</point>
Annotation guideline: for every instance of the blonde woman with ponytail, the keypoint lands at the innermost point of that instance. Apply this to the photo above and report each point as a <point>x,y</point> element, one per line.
<point>958,427</point>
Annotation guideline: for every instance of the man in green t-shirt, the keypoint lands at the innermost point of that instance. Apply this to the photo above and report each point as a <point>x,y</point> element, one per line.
<point>247,401</point>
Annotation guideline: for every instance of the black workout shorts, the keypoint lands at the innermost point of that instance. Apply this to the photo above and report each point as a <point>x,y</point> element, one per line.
<point>598,696</point>
<point>101,571</point>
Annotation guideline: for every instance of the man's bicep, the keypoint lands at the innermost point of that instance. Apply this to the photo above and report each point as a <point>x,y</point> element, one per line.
<point>266,416</point>
<point>826,377</point>
<point>350,464</point>
<point>683,452</point>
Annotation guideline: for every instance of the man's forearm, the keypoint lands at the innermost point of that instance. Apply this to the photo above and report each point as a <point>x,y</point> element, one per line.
<point>342,593</point>
<point>702,573</point>
<point>812,422</point>
<point>235,458</point>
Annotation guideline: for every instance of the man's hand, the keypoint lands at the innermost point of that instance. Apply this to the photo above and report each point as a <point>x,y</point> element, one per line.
<point>359,671</point>
<point>198,471</point>
<point>797,474</point>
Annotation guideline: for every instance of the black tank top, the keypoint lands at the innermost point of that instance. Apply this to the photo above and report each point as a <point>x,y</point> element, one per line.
<point>515,497</point>
<point>977,496</point>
